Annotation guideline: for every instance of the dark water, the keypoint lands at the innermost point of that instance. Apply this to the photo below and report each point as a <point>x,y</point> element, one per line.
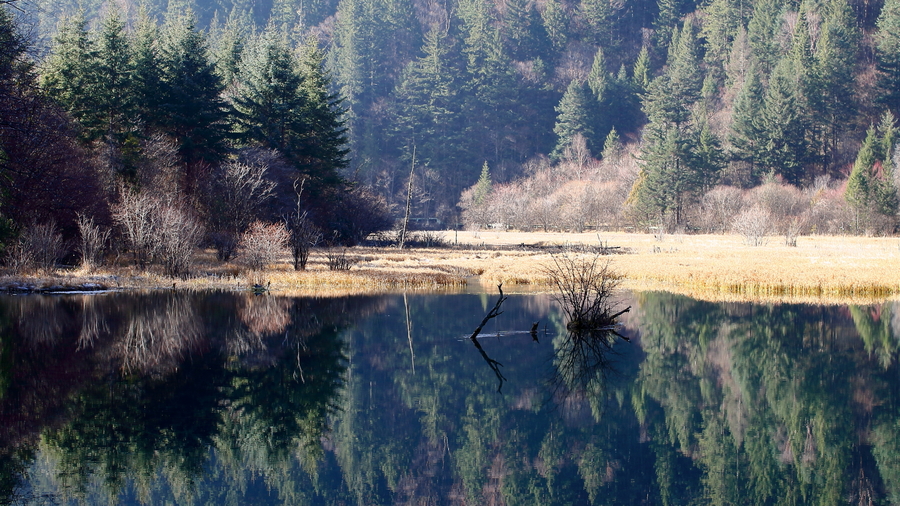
<point>171,398</point>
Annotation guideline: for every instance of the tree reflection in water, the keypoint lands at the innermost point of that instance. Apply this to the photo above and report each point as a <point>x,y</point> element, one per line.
<point>133,388</point>
<point>315,401</point>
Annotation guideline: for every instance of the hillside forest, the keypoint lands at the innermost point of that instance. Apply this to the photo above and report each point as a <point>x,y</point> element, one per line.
<point>207,119</point>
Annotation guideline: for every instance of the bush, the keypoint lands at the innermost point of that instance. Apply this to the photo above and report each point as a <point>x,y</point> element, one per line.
<point>754,225</point>
<point>585,286</point>
<point>177,233</point>
<point>39,247</point>
<point>93,242</point>
<point>262,244</point>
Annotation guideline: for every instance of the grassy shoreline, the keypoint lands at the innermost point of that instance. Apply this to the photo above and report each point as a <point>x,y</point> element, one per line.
<point>715,267</point>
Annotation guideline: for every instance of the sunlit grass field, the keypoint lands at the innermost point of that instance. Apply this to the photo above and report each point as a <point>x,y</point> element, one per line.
<point>717,267</point>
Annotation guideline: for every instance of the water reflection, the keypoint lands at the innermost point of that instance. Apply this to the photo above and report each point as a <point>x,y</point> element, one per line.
<point>232,399</point>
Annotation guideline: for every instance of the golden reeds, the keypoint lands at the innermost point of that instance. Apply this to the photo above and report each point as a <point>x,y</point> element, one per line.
<point>705,266</point>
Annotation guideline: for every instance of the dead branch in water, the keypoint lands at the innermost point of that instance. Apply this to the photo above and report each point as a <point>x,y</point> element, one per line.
<point>493,313</point>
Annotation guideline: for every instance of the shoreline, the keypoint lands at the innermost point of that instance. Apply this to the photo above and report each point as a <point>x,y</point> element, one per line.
<point>714,267</point>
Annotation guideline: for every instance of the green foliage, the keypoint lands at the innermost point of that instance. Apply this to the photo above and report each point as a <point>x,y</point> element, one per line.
<point>574,116</point>
<point>887,40</point>
<point>483,186</point>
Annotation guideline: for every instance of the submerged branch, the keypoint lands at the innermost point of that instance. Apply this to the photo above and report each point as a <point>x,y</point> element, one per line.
<point>493,313</point>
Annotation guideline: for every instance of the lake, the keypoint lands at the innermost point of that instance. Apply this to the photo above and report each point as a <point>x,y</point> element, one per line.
<point>231,399</point>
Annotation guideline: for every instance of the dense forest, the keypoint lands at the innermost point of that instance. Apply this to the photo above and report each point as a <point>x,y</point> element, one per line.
<point>715,115</point>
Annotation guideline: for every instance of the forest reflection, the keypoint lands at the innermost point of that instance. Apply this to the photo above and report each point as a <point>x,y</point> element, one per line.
<point>224,398</point>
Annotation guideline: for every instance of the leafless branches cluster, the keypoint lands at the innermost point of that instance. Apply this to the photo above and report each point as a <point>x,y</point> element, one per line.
<point>157,229</point>
<point>93,242</point>
<point>262,244</point>
<point>584,289</point>
<point>39,246</point>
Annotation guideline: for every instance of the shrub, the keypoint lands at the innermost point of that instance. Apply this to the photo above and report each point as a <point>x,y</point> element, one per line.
<point>262,244</point>
<point>39,247</point>
<point>177,233</point>
<point>585,286</point>
<point>754,225</point>
<point>93,242</point>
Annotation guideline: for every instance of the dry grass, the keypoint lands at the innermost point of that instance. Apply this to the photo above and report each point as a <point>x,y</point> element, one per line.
<point>719,267</point>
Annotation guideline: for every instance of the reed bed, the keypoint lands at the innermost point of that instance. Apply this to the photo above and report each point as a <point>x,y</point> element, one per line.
<point>718,267</point>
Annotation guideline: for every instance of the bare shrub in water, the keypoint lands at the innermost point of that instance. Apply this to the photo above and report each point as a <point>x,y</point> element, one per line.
<point>585,285</point>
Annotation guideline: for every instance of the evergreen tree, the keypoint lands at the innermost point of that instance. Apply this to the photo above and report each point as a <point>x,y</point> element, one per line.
<point>556,24</point>
<point>747,137</point>
<point>642,74</point>
<point>762,31</point>
<point>69,76</point>
<point>192,102</point>
<point>861,185</point>
<point>324,148</point>
<point>887,40</point>
<point>597,16</point>
<point>147,73</point>
<point>832,97</point>
<point>429,118</point>
<point>483,186</point>
<point>572,117</point>
<point>783,127</point>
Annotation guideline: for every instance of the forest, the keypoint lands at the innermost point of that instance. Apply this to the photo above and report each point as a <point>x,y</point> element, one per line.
<point>198,118</point>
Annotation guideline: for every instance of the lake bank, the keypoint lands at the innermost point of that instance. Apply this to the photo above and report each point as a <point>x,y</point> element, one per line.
<point>704,266</point>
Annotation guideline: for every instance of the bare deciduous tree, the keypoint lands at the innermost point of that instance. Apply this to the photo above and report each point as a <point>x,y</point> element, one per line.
<point>39,247</point>
<point>754,224</point>
<point>237,192</point>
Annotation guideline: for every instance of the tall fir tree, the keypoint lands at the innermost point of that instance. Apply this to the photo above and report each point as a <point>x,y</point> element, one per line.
<point>573,118</point>
<point>195,113</point>
<point>784,128</point>
<point>70,76</point>
<point>887,39</point>
<point>746,136</point>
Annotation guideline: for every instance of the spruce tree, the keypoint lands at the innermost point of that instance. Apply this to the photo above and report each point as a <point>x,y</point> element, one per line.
<point>783,127</point>
<point>192,102</point>
<point>762,31</point>
<point>746,136</point>
<point>597,16</point>
<point>70,76</point>
<point>556,24</point>
<point>887,40</point>
<point>572,118</point>
<point>147,73</point>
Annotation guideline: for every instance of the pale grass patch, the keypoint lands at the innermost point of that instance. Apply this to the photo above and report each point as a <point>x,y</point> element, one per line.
<point>715,267</point>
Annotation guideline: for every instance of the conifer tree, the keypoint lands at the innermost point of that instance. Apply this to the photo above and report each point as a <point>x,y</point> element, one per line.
<point>887,40</point>
<point>195,113</point>
<point>147,73</point>
<point>784,129</point>
<point>572,118</point>
<point>70,73</point>
<point>762,31</point>
<point>642,74</point>
<point>556,24</point>
<point>747,137</point>
<point>597,18</point>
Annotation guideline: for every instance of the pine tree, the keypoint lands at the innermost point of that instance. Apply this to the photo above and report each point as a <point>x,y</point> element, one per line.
<point>556,24</point>
<point>483,186</point>
<point>642,74</point>
<point>115,97</point>
<point>747,137</point>
<point>69,76</point>
<point>832,97</point>
<point>147,73</point>
<point>762,31</point>
<point>324,148</point>
<point>572,118</point>
<point>887,40</point>
<point>597,16</point>
<point>783,128</point>
<point>861,184</point>
<point>191,96</point>
<point>612,146</point>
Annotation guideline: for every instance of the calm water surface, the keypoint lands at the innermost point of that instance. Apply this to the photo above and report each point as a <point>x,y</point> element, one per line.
<point>223,398</point>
